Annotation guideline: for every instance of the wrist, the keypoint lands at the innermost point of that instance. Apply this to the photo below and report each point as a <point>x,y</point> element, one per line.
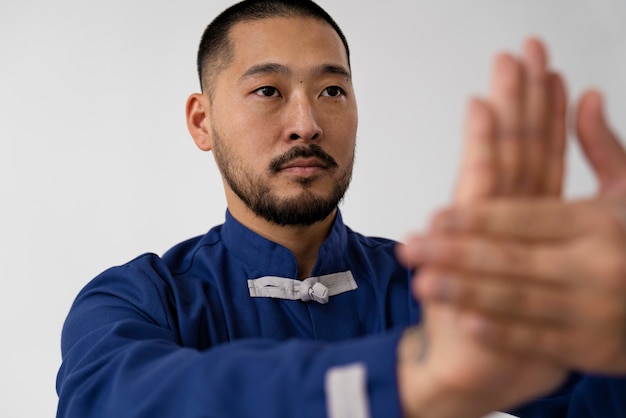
<point>422,394</point>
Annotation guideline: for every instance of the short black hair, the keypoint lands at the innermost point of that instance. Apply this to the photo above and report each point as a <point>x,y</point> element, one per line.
<point>215,51</point>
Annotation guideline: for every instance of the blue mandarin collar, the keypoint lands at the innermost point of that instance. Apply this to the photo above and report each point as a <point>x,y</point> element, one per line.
<point>266,257</point>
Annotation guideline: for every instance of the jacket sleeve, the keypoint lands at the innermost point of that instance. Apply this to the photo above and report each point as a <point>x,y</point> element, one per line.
<point>581,396</point>
<point>122,357</point>
<point>599,396</point>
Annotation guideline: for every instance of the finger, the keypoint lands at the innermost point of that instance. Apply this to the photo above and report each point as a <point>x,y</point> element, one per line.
<point>536,338</point>
<point>536,107</point>
<point>507,99</point>
<point>546,219</point>
<point>498,295</point>
<point>405,257</point>
<point>526,263</point>
<point>547,264</point>
<point>555,152</point>
<point>478,172</point>
<point>601,146</point>
<point>588,346</point>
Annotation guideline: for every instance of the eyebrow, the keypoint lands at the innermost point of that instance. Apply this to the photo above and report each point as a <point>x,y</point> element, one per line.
<point>274,68</point>
<point>266,68</point>
<point>334,69</point>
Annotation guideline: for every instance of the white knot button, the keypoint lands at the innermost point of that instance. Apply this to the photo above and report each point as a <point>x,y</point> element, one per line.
<point>312,289</point>
<point>317,288</point>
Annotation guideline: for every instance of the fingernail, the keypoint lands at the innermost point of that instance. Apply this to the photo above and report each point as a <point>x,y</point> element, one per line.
<point>444,289</point>
<point>508,69</point>
<point>416,248</point>
<point>535,58</point>
<point>446,221</point>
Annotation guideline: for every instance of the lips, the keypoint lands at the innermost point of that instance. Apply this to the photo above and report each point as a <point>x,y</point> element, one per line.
<point>304,167</point>
<point>305,158</point>
<point>304,163</point>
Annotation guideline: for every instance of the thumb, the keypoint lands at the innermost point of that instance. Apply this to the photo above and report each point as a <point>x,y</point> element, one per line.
<point>601,146</point>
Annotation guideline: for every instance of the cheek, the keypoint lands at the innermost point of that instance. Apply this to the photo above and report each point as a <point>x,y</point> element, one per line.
<point>247,132</point>
<point>343,128</point>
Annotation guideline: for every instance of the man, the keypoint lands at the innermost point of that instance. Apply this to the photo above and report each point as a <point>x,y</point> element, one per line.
<point>283,310</point>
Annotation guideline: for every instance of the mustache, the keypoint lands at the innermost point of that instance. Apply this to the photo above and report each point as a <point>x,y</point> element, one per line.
<point>301,151</point>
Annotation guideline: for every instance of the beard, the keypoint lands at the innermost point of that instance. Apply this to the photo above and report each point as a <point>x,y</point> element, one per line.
<point>304,209</point>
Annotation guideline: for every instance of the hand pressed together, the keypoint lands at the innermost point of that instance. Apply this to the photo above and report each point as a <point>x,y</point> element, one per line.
<point>529,273</point>
<point>515,143</point>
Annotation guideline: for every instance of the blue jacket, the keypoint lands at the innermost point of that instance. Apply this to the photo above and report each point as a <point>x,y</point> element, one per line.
<point>217,327</point>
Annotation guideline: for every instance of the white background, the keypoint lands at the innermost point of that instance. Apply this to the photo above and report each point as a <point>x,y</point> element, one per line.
<point>96,165</point>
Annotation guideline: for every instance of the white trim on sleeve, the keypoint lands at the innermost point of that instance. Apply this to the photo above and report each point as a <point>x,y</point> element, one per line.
<point>346,391</point>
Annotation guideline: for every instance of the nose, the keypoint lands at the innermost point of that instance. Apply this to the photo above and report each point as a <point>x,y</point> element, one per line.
<point>303,123</point>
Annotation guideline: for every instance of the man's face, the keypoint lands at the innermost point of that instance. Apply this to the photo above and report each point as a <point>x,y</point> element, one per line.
<point>284,119</point>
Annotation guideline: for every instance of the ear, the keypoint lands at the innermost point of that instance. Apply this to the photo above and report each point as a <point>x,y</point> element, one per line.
<point>199,121</point>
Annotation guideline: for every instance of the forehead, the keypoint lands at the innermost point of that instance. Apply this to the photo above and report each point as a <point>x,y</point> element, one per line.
<point>291,41</point>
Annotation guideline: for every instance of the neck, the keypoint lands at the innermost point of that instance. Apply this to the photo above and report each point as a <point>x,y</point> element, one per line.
<point>303,241</point>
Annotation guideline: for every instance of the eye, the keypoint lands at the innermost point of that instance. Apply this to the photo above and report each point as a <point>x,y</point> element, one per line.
<point>267,91</point>
<point>333,91</point>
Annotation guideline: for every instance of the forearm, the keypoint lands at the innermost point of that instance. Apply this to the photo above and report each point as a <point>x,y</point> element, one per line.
<point>123,357</point>
<point>244,378</point>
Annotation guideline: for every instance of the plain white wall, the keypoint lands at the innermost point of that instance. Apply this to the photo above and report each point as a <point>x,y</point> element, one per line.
<point>96,165</point>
